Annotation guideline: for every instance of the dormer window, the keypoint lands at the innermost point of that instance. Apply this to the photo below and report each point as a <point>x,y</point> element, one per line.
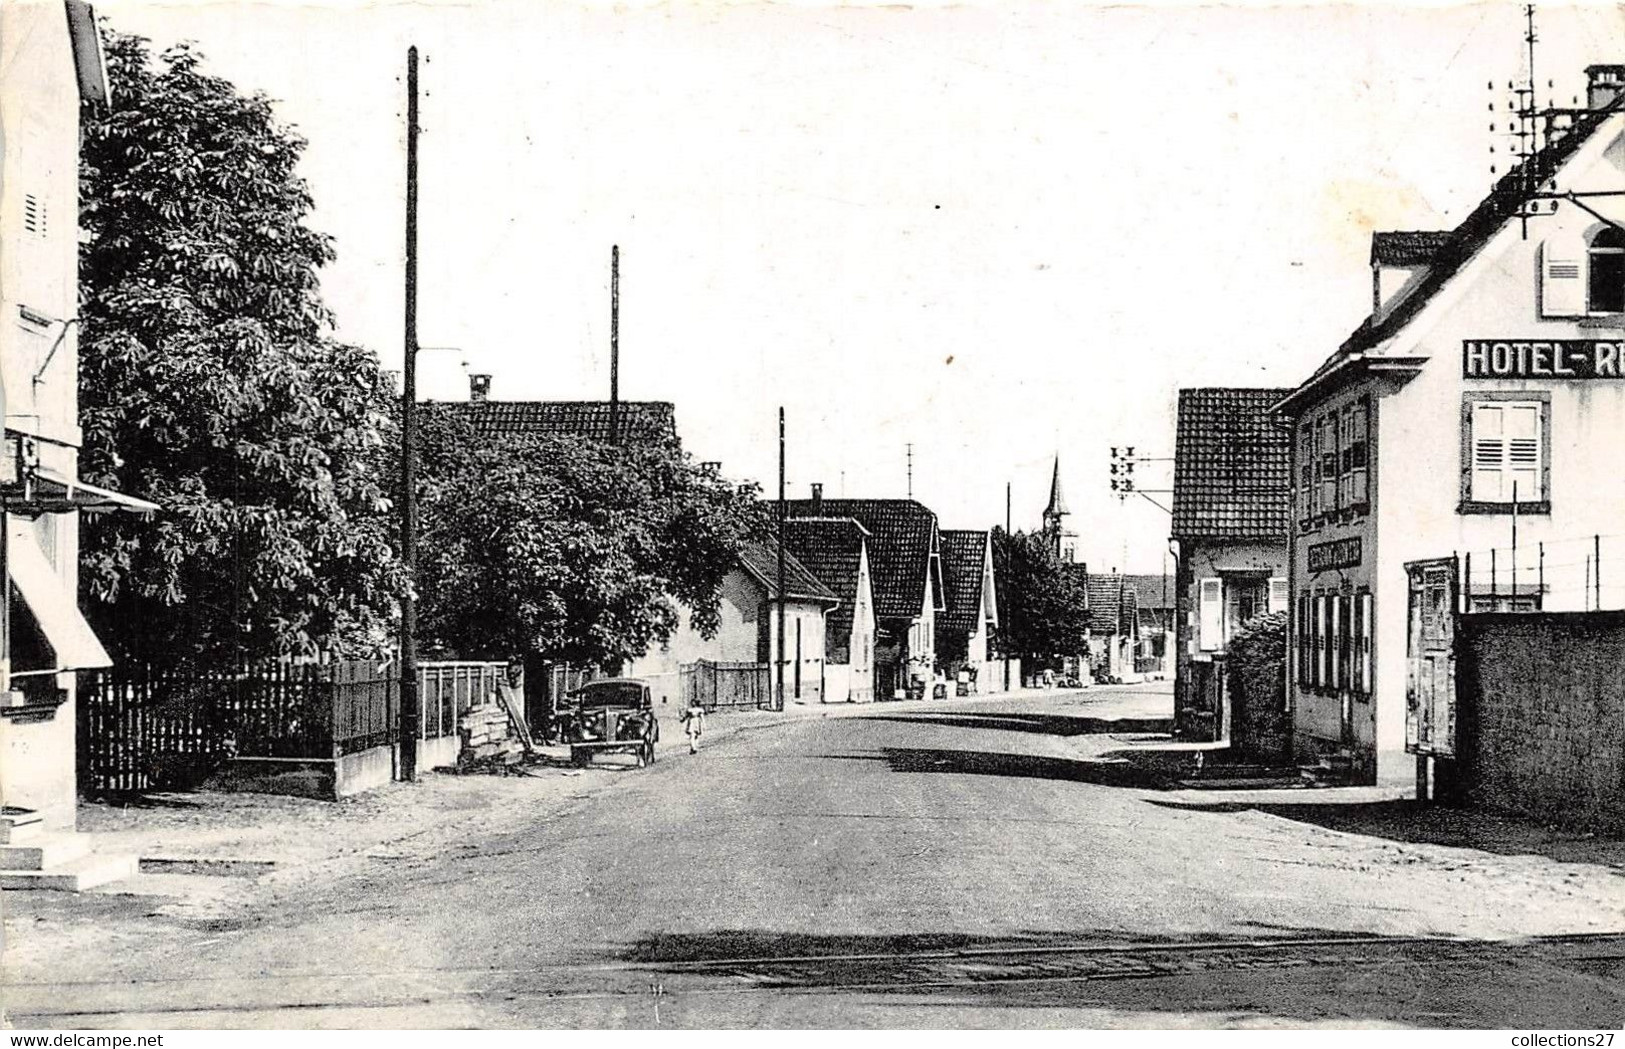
<point>1605,284</point>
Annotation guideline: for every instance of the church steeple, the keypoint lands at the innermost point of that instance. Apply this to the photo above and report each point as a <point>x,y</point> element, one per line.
<point>1064,542</point>
<point>1057,501</point>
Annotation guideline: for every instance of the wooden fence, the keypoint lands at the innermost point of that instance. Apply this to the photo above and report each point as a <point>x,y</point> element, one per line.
<point>142,729</point>
<point>725,685</point>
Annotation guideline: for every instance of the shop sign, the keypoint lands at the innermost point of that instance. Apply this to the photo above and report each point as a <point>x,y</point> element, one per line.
<point>1565,359</point>
<point>1339,553</point>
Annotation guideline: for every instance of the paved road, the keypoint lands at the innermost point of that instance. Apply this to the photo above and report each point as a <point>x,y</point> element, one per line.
<point>961,865</point>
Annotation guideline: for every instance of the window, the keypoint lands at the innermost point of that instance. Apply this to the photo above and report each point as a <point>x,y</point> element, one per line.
<point>1328,463</point>
<point>1353,491</point>
<point>1363,624</point>
<point>1605,280</point>
<point>1505,452</point>
<point>1322,636</point>
<point>1210,622</point>
<point>1305,641</point>
<point>1279,595</point>
<point>1306,473</point>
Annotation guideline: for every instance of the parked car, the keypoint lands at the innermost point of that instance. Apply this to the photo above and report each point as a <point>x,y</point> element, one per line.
<point>611,715</point>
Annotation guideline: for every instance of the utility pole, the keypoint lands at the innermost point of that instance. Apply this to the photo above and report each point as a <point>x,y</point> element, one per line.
<point>778,695</point>
<point>409,424</point>
<point>615,344</point>
<point>1007,508</point>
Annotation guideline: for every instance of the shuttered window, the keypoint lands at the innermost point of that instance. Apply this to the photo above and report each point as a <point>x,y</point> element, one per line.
<point>1302,634</point>
<point>1328,462</point>
<point>1278,595</point>
<point>1306,473</point>
<point>1211,617</point>
<point>1362,643</point>
<point>1562,291</point>
<point>1322,640</point>
<point>1505,446</point>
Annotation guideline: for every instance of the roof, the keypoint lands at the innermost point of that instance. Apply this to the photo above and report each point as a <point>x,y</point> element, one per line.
<point>643,422</point>
<point>1407,247</point>
<point>1057,499</point>
<point>1232,467</point>
<point>761,561</point>
<point>1458,247</point>
<point>964,558</point>
<point>1112,604</point>
<point>902,536</point>
<point>1152,591</point>
<point>831,548</point>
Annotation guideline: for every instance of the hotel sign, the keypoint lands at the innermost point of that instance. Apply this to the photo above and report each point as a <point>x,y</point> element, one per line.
<point>1339,553</point>
<point>1565,359</point>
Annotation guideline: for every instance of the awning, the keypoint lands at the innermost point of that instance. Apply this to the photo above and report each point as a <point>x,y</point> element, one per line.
<point>51,493</point>
<point>54,607</point>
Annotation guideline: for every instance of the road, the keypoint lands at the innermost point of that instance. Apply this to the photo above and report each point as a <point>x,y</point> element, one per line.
<point>968,864</point>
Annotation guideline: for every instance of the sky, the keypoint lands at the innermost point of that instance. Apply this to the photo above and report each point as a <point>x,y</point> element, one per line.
<point>994,233</point>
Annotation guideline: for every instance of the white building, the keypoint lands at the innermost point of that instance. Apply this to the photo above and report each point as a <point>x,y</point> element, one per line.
<point>1485,395</point>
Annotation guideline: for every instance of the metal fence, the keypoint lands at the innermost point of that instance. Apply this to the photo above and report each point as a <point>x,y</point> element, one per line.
<point>1570,574</point>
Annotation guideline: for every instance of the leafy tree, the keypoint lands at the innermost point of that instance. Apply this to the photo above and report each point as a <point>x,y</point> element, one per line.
<point>209,382</point>
<point>1043,602</point>
<point>569,548</point>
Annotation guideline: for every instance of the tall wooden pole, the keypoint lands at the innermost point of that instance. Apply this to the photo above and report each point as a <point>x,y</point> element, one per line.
<point>778,694</point>
<point>615,344</point>
<point>409,425</point>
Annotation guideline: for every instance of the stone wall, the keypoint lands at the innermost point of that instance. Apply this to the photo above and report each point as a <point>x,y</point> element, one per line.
<point>1541,716</point>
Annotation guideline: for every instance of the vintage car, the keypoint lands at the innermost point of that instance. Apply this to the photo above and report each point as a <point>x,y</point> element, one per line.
<point>611,715</point>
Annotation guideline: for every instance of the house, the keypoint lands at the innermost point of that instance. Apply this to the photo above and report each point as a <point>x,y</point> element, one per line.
<point>1471,422</point>
<point>50,62</point>
<point>635,422</point>
<point>1231,489</point>
<point>1113,628</point>
<point>971,610</point>
<point>905,561</point>
<point>748,632</point>
<point>1154,603</point>
<point>836,551</point>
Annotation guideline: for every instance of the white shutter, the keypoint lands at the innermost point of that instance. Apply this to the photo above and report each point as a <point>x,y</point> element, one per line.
<point>1211,623</point>
<point>1562,273</point>
<point>1522,423</point>
<point>1489,452</point>
<point>1506,450</point>
<point>1278,595</point>
<point>1364,655</point>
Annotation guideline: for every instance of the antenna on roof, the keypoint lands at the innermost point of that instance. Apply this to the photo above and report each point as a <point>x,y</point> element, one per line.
<point>910,448</point>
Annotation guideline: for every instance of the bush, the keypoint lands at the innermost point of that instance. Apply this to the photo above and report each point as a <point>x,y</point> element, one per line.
<point>1255,662</point>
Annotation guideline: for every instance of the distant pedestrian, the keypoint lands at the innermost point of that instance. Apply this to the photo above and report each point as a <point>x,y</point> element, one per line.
<point>694,724</point>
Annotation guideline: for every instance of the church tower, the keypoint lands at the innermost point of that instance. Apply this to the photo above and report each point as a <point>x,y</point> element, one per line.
<point>1064,542</point>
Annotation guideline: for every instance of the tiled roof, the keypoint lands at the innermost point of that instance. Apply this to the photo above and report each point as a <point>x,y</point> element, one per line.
<point>1232,469</point>
<point>1152,591</point>
<point>643,422</point>
<point>963,560</point>
<point>902,534</point>
<point>1407,247</point>
<point>762,561</point>
<point>1112,604</point>
<point>831,548</point>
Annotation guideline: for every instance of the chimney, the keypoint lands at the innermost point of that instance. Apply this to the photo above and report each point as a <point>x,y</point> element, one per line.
<point>818,500</point>
<point>479,388</point>
<point>1603,85</point>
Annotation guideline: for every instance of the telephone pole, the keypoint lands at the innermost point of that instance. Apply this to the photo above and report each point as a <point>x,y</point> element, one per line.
<point>778,694</point>
<point>409,424</point>
<point>614,344</point>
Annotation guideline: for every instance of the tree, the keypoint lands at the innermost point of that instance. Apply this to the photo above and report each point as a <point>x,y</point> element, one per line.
<point>571,549</point>
<point>1043,602</point>
<point>210,383</point>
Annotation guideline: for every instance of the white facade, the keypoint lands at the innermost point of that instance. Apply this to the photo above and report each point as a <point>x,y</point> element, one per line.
<point>1511,371</point>
<point>48,57</point>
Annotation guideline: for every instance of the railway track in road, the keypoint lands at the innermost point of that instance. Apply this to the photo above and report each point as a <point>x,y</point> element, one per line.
<point>299,999</point>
